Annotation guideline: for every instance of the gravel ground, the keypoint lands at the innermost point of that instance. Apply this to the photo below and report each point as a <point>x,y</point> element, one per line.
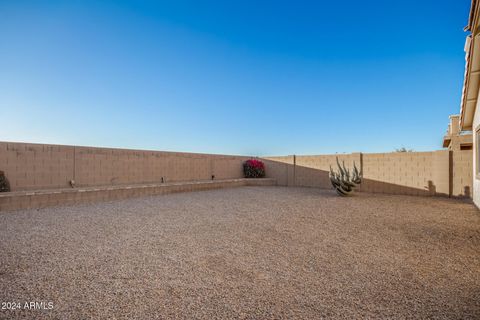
<point>245,253</point>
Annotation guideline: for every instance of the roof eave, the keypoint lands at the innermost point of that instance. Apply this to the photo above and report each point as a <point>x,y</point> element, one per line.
<point>472,72</point>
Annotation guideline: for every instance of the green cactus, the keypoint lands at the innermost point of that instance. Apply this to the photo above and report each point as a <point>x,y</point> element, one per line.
<point>345,181</point>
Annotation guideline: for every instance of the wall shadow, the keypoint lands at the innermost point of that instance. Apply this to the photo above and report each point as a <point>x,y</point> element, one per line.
<point>292,175</point>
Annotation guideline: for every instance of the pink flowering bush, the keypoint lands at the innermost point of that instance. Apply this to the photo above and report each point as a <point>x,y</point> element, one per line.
<point>254,168</point>
<point>4,185</point>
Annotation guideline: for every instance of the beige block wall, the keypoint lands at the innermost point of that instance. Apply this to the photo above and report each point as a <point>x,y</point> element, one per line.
<point>312,171</point>
<point>39,166</point>
<point>408,173</point>
<point>36,166</point>
<point>398,173</point>
<point>307,171</point>
<point>281,170</point>
<point>47,198</point>
<point>442,172</point>
<point>462,173</point>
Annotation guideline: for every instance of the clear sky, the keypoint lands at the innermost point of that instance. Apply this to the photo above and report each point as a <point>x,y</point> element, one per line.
<point>235,77</point>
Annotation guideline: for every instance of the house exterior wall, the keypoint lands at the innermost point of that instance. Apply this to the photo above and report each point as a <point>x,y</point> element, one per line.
<point>469,110</point>
<point>476,180</point>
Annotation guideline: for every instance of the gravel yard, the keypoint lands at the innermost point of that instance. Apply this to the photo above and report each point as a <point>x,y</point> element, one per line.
<point>245,253</point>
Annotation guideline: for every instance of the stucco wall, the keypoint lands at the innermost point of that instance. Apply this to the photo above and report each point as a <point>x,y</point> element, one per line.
<point>476,182</point>
<point>39,166</point>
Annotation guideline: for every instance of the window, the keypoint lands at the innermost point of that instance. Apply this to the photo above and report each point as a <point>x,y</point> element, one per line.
<point>466,147</point>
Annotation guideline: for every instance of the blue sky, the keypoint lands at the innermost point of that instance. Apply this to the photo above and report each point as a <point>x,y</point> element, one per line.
<point>235,77</point>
